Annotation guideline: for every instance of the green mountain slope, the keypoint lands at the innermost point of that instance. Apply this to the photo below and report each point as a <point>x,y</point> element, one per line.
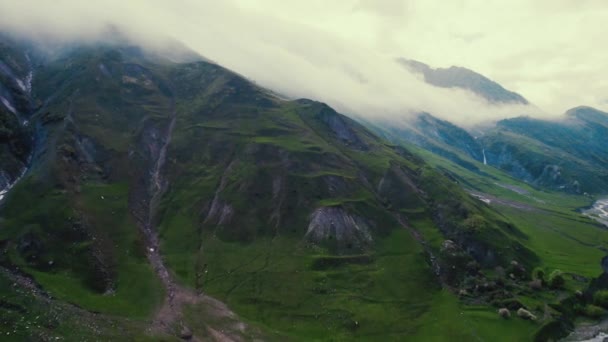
<point>567,154</point>
<point>555,230</point>
<point>154,185</point>
<point>438,136</point>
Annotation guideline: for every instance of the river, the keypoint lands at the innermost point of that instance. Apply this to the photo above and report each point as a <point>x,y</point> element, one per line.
<point>599,211</point>
<point>589,333</point>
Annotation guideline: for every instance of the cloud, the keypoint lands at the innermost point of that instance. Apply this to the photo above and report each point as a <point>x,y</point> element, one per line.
<point>343,52</point>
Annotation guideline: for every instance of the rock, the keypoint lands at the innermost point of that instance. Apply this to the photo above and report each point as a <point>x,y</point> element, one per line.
<point>448,246</point>
<point>605,264</point>
<point>536,284</point>
<point>336,225</point>
<point>525,314</point>
<point>185,333</point>
<point>504,313</point>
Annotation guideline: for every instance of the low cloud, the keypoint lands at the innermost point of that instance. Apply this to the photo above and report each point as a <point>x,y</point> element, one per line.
<point>342,53</point>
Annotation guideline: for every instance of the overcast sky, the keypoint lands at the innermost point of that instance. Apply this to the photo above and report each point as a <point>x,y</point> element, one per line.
<point>553,52</point>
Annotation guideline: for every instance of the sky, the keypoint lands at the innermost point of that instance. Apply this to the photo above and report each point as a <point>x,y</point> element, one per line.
<point>343,52</point>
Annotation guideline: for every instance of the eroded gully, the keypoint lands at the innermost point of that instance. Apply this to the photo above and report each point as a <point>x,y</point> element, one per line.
<point>169,318</point>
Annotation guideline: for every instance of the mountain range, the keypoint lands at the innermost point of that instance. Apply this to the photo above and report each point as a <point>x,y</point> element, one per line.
<point>146,197</point>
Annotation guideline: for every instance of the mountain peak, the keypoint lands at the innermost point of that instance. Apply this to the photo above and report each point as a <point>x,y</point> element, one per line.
<point>460,77</point>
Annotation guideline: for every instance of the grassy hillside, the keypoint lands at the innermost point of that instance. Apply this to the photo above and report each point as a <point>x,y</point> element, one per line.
<point>566,154</point>
<point>554,229</point>
<point>304,223</point>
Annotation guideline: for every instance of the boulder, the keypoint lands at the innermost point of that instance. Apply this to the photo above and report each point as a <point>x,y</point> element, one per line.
<point>504,313</point>
<point>185,333</point>
<point>525,314</point>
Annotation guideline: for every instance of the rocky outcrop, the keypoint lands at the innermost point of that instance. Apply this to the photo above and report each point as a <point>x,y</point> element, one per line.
<point>525,314</point>
<point>339,229</point>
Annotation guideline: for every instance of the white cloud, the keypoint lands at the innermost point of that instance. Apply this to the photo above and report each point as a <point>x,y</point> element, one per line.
<point>342,52</point>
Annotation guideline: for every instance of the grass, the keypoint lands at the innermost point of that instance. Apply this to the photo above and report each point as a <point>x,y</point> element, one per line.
<point>281,288</point>
<point>451,320</point>
<point>137,291</point>
<point>555,230</point>
<point>25,317</point>
<point>393,297</point>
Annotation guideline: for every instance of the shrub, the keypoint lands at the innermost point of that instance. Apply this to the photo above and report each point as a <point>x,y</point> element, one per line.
<point>601,298</point>
<point>593,311</point>
<point>538,273</point>
<point>474,223</point>
<point>556,279</point>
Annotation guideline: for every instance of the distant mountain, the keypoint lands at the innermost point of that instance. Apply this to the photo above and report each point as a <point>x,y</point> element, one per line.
<point>438,136</point>
<point>568,153</point>
<point>459,77</point>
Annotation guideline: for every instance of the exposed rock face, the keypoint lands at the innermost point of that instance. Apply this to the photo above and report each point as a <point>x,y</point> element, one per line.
<point>220,213</point>
<point>335,226</point>
<point>339,125</point>
<point>15,108</point>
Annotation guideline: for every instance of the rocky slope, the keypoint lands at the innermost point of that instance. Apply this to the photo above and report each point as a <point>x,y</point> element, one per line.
<point>15,107</point>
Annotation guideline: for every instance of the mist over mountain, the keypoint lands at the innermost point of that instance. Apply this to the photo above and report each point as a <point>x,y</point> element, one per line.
<point>276,54</point>
<point>167,176</point>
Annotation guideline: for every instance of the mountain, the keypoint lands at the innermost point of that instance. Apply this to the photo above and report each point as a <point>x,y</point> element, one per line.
<point>564,154</point>
<point>15,86</point>
<point>546,177</point>
<point>459,77</point>
<point>568,153</point>
<point>158,196</point>
<point>438,136</point>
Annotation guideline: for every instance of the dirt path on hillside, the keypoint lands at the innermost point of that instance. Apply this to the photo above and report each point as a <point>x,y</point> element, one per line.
<point>493,200</point>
